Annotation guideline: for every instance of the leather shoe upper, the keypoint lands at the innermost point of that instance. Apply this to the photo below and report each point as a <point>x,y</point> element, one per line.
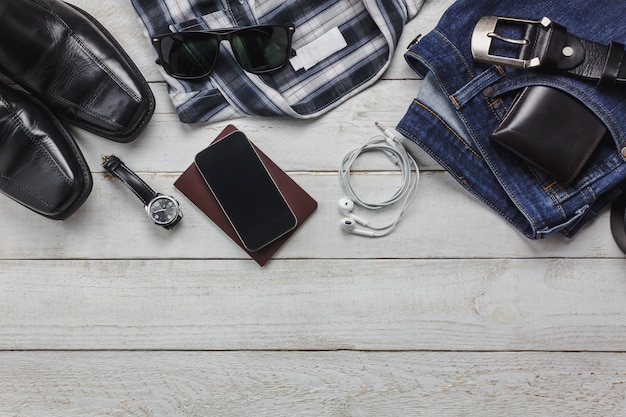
<point>40,165</point>
<point>64,57</point>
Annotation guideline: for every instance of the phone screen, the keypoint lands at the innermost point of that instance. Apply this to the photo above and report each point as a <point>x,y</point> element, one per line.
<point>245,190</point>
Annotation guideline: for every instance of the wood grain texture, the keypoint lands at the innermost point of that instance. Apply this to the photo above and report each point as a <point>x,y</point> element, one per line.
<point>311,384</point>
<point>394,305</point>
<point>454,314</point>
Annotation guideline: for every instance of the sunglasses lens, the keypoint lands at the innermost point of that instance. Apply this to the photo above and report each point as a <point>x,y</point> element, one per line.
<point>262,49</point>
<point>189,55</point>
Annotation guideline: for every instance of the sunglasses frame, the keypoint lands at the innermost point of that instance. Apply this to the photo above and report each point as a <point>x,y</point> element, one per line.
<point>223,35</point>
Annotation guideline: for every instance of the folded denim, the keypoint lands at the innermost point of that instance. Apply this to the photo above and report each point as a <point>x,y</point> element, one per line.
<point>65,58</point>
<point>462,101</point>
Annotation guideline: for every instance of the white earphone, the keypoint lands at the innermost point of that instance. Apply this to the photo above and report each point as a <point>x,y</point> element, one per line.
<point>396,152</point>
<point>348,225</point>
<point>346,206</point>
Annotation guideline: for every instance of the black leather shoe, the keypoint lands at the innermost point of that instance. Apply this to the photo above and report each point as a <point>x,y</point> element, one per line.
<point>70,62</point>
<point>40,165</point>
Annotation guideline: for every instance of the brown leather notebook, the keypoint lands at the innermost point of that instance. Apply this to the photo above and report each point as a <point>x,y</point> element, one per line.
<point>192,185</point>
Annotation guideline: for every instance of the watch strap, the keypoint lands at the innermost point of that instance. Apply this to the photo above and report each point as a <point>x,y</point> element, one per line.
<point>116,167</point>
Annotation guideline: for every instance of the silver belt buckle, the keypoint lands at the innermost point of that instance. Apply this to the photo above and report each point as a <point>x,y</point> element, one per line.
<point>485,32</point>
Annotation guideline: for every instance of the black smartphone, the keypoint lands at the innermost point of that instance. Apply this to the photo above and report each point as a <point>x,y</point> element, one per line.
<point>245,190</point>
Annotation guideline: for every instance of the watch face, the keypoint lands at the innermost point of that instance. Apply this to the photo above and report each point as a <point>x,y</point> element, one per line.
<point>163,209</point>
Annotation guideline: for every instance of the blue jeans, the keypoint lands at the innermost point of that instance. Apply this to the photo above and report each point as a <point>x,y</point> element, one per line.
<point>462,101</point>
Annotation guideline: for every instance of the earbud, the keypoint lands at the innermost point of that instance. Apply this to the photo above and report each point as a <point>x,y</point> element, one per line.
<point>345,206</point>
<point>348,225</point>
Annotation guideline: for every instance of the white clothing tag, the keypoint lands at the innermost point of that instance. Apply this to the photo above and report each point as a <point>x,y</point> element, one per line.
<point>321,48</point>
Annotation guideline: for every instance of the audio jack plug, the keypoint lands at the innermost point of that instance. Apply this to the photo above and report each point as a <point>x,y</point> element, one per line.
<point>386,132</point>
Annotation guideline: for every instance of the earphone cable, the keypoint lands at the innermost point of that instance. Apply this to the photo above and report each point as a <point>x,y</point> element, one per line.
<point>397,153</point>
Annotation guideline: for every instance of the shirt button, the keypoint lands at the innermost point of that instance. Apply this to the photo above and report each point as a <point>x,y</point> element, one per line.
<point>623,152</point>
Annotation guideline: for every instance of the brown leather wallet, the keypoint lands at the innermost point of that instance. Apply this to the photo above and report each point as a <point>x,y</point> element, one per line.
<point>552,130</point>
<point>193,186</point>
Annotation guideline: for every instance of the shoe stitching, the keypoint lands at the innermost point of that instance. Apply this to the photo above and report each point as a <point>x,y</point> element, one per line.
<point>37,143</point>
<point>27,190</point>
<point>116,79</point>
<point>96,94</point>
<point>86,49</point>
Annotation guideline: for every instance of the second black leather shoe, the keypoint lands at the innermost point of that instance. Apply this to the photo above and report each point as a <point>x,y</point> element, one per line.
<point>70,62</point>
<point>40,165</point>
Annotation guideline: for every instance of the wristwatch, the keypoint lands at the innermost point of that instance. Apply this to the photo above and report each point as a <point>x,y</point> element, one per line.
<point>162,209</point>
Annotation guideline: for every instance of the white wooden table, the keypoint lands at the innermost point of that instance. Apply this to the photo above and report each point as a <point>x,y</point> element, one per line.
<point>455,313</point>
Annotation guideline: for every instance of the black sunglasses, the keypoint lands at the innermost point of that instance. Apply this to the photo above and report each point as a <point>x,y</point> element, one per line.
<point>257,49</point>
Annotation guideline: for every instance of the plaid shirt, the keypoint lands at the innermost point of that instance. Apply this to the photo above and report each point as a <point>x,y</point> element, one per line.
<point>371,29</point>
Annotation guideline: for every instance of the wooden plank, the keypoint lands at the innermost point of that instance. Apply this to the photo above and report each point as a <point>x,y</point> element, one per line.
<point>445,222</point>
<point>199,384</point>
<point>460,305</point>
